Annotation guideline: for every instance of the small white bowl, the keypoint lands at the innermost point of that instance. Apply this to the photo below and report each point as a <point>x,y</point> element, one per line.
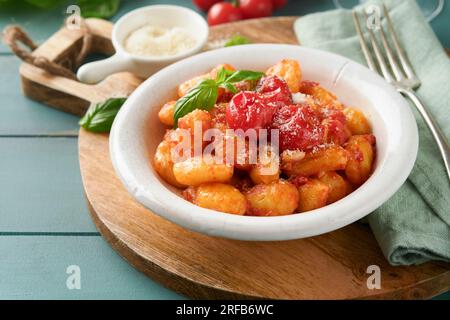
<point>136,133</point>
<point>158,15</point>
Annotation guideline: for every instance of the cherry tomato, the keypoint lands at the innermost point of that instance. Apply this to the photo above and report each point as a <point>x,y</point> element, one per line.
<point>277,4</point>
<point>247,110</point>
<point>333,121</point>
<point>335,131</point>
<point>223,12</point>
<point>256,8</point>
<point>299,127</point>
<point>335,114</point>
<point>205,5</point>
<point>275,90</point>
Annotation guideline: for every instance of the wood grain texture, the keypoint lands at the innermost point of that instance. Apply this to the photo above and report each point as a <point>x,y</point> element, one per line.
<point>330,266</point>
<point>265,30</point>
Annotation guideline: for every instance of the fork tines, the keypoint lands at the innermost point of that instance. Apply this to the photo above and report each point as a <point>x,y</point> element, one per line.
<point>392,63</point>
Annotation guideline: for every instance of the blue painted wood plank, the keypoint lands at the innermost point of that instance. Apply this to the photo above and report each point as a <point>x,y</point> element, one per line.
<point>40,186</point>
<point>22,116</point>
<point>445,296</point>
<point>35,268</point>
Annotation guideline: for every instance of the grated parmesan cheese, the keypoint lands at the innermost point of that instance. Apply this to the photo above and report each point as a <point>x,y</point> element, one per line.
<point>299,98</point>
<point>158,41</point>
<point>292,155</point>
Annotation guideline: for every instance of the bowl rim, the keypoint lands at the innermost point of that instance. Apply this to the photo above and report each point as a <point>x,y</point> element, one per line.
<point>352,208</point>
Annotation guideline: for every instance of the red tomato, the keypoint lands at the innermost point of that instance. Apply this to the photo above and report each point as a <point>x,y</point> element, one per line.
<point>335,131</point>
<point>275,90</point>
<point>299,127</point>
<point>277,4</point>
<point>307,86</point>
<point>256,8</point>
<point>335,114</point>
<point>223,12</point>
<point>247,110</point>
<point>333,121</point>
<point>205,4</point>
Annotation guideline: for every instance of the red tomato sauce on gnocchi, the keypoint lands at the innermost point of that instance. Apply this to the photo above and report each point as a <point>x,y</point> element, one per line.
<point>324,149</point>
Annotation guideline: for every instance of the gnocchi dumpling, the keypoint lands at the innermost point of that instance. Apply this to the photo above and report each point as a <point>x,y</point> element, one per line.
<point>274,199</point>
<point>338,187</point>
<point>267,169</point>
<point>202,169</point>
<point>200,118</point>
<point>166,113</point>
<point>322,97</point>
<point>218,196</point>
<point>290,71</point>
<point>312,195</point>
<point>265,172</point>
<point>361,155</point>
<point>236,149</point>
<point>356,122</point>
<point>163,164</point>
<point>330,158</point>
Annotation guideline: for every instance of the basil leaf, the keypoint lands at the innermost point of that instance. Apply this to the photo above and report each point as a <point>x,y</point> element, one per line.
<point>236,41</point>
<point>100,116</point>
<point>98,8</point>
<point>203,96</point>
<point>221,75</point>
<point>229,86</point>
<point>244,75</point>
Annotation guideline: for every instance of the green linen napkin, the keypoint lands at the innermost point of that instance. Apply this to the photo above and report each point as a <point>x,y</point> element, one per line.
<point>414,225</point>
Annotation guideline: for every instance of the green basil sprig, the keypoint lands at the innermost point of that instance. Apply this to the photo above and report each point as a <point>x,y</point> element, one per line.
<point>237,40</point>
<point>204,95</point>
<point>98,8</point>
<point>100,116</point>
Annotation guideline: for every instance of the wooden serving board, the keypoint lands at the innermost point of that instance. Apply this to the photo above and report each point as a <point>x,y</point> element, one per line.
<point>330,266</point>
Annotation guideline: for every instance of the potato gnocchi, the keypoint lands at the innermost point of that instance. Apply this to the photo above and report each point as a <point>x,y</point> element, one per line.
<point>325,150</point>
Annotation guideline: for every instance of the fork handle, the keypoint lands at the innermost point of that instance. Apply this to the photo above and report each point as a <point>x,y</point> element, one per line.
<point>441,141</point>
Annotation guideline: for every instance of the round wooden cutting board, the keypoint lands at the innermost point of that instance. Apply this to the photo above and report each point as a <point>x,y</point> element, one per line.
<point>330,266</point>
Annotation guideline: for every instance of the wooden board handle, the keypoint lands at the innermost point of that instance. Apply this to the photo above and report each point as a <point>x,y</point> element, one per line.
<point>67,94</point>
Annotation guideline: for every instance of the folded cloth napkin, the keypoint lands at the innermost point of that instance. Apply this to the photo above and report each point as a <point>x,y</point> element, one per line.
<point>414,225</point>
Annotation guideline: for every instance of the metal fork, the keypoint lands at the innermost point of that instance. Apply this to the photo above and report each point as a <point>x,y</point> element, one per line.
<point>403,79</point>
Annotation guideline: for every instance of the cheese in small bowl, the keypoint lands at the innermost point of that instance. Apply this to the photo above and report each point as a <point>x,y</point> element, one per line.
<point>155,41</point>
<point>148,39</point>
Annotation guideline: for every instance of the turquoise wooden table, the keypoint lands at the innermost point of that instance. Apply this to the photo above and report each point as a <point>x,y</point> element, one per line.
<point>46,234</point>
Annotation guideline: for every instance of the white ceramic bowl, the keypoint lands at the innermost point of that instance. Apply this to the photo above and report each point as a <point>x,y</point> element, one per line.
<point>136,133</point>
